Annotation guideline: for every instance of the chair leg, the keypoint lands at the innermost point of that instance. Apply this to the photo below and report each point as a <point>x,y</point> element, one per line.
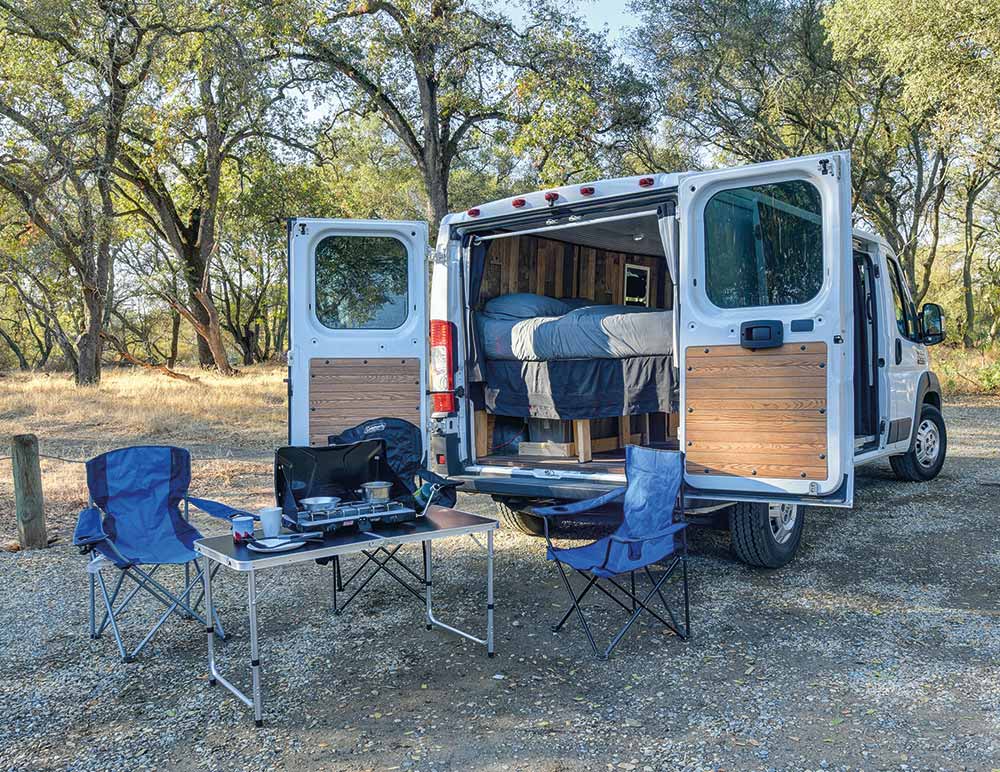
<point>93,609</point>
<point>569,612</point>
<point>632,580</point>
<point>111,617</point>
<point>641,606</point>
<point>579,611</point>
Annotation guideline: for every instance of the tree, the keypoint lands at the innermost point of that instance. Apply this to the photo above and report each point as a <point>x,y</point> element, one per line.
<point>214,93</point>
<point>757,81</point>
<point>448,75</point>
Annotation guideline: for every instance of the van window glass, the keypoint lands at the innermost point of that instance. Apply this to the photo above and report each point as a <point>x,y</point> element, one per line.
<point>764,245</point>
<point>906,321</point>
<point>361,282</point>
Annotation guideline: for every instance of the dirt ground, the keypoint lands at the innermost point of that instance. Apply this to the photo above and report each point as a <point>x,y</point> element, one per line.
<point>878,648</point>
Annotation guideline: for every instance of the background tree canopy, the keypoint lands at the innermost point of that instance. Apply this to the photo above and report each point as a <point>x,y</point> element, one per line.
<point>151,152</point>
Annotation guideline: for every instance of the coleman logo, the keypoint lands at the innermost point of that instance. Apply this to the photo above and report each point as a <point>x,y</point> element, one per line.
<point>374,428</point>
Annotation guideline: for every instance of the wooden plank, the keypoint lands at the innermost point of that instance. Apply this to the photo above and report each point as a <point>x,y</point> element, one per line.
<point>768,470</point>
<point>345,392</point>
<point>553,449</point>
<point>757,414</point>
<point>482,433</point>
<point>700,352</point>
<point>587,271</point>
<point>29,503</point>
<point>581,435</point>
<point>624,429</point>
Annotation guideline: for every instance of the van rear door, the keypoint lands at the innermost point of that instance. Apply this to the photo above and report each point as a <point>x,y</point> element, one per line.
<point>765,331</point>
<point>357,316</point>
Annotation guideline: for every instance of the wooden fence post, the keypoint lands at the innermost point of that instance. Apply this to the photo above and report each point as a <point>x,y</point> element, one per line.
<point>28,503</point>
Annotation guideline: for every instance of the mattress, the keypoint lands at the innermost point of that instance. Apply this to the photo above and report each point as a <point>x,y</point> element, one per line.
<point>590,332</point>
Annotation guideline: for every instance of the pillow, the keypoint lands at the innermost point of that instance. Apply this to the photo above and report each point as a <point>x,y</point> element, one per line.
<point>523,305</point>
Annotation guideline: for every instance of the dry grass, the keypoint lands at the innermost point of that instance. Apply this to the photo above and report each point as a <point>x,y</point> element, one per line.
<point>247,413</point>
<point>243,418</point>
<point>967,371</point>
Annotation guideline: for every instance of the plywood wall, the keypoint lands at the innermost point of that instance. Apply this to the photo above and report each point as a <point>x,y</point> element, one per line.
<point>548,267</point>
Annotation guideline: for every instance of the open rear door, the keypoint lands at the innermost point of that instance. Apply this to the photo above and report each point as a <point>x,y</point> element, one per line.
<point>765,331</point>
<point>357,325</point>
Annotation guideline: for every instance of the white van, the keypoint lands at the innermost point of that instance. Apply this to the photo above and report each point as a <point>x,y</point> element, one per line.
<point>733,314</point>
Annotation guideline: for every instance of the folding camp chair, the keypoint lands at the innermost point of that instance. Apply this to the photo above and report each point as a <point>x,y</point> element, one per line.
<point>134,522</point>
<point>648,534</point>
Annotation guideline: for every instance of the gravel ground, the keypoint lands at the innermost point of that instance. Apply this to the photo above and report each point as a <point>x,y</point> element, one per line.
<point>878,648</point>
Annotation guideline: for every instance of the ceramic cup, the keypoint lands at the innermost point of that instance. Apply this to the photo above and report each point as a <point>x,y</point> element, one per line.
<point>270,521</point>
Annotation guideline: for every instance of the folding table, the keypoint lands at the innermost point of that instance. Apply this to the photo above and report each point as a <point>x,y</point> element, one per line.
<point>438,523</point>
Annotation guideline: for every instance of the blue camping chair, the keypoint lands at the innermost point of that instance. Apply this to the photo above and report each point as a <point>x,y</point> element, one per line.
<point>134,522</point>
<point>648,534</point>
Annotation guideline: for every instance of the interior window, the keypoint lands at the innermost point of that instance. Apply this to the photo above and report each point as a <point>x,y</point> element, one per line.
<point>636,285</point>
<point>906,318</point>
<point>764,245</point>
<point>361,282</point>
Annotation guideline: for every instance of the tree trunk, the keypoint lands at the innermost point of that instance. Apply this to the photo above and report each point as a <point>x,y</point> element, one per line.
<point>88,345</point>
<point>22,363</point>
<point>968,335</point>
<point>175,334</point>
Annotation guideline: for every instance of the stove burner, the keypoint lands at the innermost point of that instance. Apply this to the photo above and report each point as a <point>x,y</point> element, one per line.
<point>347,513</point>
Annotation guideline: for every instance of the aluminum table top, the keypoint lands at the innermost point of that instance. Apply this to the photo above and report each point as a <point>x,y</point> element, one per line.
<point>438,523</point>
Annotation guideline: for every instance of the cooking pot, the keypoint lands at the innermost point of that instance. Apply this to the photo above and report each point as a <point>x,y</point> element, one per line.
<point>376,491</point>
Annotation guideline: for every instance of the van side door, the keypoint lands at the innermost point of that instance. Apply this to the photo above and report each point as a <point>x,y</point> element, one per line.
<point>907,356</point>
<point>357,312</point>
<point>766,319</point>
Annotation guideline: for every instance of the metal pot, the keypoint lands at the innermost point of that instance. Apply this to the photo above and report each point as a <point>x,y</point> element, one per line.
<point>320,503</point>
<point>376,491</point>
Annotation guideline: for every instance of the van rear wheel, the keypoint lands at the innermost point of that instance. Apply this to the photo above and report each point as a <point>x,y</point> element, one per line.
<point>522,521</point>
<point>766,535</point>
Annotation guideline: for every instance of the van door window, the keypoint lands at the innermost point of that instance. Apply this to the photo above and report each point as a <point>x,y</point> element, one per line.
<point>906,318</point>
<point>361,282</point>
<point>764,245</point>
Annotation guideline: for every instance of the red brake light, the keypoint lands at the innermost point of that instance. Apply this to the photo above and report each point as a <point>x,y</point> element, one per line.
<point>473,212</point>
<point>551,196</point>
<point>518,202</point>
<point>646,182</point>
<point>587,190</point>
<point>442,381</point>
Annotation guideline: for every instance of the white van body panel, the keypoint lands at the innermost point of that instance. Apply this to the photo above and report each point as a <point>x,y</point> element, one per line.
<point>830,311</point>
<point>309,339</point>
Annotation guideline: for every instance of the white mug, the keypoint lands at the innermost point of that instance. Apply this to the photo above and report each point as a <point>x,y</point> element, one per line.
<point>270,521</point>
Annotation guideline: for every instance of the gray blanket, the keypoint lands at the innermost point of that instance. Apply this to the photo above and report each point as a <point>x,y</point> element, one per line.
<point>590,332</point>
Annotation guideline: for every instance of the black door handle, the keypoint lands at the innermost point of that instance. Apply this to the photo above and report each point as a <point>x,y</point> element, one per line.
<point>899,351</point>
<point>766,333</point>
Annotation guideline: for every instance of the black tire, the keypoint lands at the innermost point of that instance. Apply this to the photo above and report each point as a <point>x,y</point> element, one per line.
<point>754,540</point>
<point>915,465</point>
<point>519,520</point>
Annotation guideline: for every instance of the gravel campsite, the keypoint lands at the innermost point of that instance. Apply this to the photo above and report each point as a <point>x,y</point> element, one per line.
<point>877,648</point>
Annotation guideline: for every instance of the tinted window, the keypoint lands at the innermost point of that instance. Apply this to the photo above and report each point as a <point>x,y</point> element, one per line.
<point>906,317</point>
<point>361,282</point>
<point>764,245</point>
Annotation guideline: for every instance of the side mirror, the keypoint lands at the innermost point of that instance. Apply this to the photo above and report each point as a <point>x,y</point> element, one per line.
<point>931,324</point>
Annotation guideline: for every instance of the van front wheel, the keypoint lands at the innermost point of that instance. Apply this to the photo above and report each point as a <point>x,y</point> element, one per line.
<point>930,443</point>
<point>766,535</point>
<point>532,525</point>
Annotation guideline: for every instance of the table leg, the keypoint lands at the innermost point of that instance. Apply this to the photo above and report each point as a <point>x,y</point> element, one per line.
<point>427,581</point>
<point>210,616</point>
<point>258,716</point>
<point>489,593</point>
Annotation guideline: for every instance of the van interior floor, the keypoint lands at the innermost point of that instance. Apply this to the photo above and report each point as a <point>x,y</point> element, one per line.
<point>607,462</point>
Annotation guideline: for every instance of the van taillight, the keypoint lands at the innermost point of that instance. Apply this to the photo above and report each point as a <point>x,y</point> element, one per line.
<point>442,359</point>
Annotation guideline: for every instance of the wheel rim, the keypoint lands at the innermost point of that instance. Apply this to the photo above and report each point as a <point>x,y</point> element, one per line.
<point>927,446</point>
<point>783,518</point>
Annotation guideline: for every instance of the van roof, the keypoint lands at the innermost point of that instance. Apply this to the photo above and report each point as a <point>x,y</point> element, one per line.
<point>547,198</point>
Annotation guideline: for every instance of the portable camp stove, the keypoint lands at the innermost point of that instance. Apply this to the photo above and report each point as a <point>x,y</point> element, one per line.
<point>360,513</point>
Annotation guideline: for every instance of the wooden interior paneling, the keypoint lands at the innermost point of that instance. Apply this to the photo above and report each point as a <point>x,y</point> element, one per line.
<point>345,392</point>
<point>548,267</point>
<point>757,413</point>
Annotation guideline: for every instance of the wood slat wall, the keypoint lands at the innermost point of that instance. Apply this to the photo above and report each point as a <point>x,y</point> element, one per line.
<point>346,392</point>
<point>757,413</point>
<point>549,267</point>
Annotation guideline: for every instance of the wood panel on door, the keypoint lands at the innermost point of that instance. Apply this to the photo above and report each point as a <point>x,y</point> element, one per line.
<point>757,413</point>
<point>346,392</point>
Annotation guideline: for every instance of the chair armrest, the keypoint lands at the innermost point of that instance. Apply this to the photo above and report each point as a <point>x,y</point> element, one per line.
<point>668,531</point>
<point>89,528</point>
<point>218,509</point>
<point>578,507</point>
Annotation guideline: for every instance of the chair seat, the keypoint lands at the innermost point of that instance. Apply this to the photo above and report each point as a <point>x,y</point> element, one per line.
<point>172,553</point>
<point>620,559</point>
